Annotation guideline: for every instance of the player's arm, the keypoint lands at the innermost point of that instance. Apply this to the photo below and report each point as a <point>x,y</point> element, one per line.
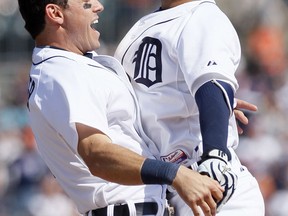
<point>105,159</point>
<point>215,103</point>
<point>120,165</point>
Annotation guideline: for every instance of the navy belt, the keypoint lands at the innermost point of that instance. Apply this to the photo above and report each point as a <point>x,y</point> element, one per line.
<point>147,208</point>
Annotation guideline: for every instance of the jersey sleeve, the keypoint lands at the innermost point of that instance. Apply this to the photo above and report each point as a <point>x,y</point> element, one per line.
<point>73,97</point>
<point>208,48</point>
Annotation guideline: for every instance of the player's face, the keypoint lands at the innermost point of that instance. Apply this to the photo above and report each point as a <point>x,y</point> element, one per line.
<point>81,18</point>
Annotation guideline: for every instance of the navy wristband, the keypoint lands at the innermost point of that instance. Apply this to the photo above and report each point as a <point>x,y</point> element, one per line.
<point>158,172</point>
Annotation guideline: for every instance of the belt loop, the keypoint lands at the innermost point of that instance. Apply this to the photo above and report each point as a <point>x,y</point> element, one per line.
<point>132,208</point>
<point>110,210</point>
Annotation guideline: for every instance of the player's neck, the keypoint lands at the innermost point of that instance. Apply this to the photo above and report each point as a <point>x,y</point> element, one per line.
<point>166,4</point>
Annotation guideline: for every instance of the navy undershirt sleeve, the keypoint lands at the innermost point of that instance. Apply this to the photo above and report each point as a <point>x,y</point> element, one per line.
<point>214,117</point>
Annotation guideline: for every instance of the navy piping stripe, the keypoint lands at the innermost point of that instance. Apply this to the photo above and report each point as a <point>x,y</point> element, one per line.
<point>61,57</point>
<point>48,59</point>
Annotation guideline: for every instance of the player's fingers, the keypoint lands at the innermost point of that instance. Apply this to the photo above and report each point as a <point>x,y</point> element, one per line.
<point>241,117</point>
<point>207,211</point>
<point>211,204</point>
<point>241,104</point>
<point>195,209</point>
<point>217,195</point>
<point>240,130</point>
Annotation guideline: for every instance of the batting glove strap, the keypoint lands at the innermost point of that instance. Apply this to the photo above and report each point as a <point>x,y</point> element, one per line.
<point>215,164</point>
<point>216,154</point>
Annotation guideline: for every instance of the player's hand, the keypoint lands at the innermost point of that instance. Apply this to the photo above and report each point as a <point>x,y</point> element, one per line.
<point>240,116</point>
<point>198,191</point>
<point>215,164</point>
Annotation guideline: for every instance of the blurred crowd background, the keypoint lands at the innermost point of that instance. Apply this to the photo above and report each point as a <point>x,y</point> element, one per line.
<point>26,185</point>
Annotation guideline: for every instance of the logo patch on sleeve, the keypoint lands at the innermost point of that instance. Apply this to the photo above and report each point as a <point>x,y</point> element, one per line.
<point>177,156</point>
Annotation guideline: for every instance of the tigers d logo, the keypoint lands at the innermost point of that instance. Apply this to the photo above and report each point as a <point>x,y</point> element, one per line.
<point>148,62</point>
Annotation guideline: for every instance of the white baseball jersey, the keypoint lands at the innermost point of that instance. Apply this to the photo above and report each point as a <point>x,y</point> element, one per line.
<point>66,88</point>
<point>169,54</point>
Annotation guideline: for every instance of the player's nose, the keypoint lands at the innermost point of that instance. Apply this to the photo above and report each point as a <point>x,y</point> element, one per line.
<point>97,6</point>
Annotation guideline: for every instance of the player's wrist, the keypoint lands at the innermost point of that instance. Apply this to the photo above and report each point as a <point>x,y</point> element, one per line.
<point>158,172</point>
<point>225,156</point>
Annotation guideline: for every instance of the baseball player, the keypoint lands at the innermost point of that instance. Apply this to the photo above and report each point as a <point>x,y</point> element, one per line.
<point>85,119</point>
<point>182,61</point>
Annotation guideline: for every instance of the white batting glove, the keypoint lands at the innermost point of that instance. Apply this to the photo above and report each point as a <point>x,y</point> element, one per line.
<point>215,164</point>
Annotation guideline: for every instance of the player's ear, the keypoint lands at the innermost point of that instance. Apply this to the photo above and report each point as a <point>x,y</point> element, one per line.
<point>54,13</point>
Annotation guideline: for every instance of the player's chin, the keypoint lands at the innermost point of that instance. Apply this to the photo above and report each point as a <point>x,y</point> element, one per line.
<point>96,36</point>
<point>95,41</point>
<point>95,45</point>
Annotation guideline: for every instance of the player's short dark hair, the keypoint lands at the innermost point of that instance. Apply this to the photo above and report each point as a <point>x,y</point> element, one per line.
<point>33,13</point>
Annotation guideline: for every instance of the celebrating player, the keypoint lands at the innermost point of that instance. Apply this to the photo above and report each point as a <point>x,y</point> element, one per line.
<point>83,116</point>
<point>182,61</point>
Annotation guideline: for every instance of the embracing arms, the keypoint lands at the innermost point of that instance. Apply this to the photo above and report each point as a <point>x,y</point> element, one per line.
<point>120,165</point>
